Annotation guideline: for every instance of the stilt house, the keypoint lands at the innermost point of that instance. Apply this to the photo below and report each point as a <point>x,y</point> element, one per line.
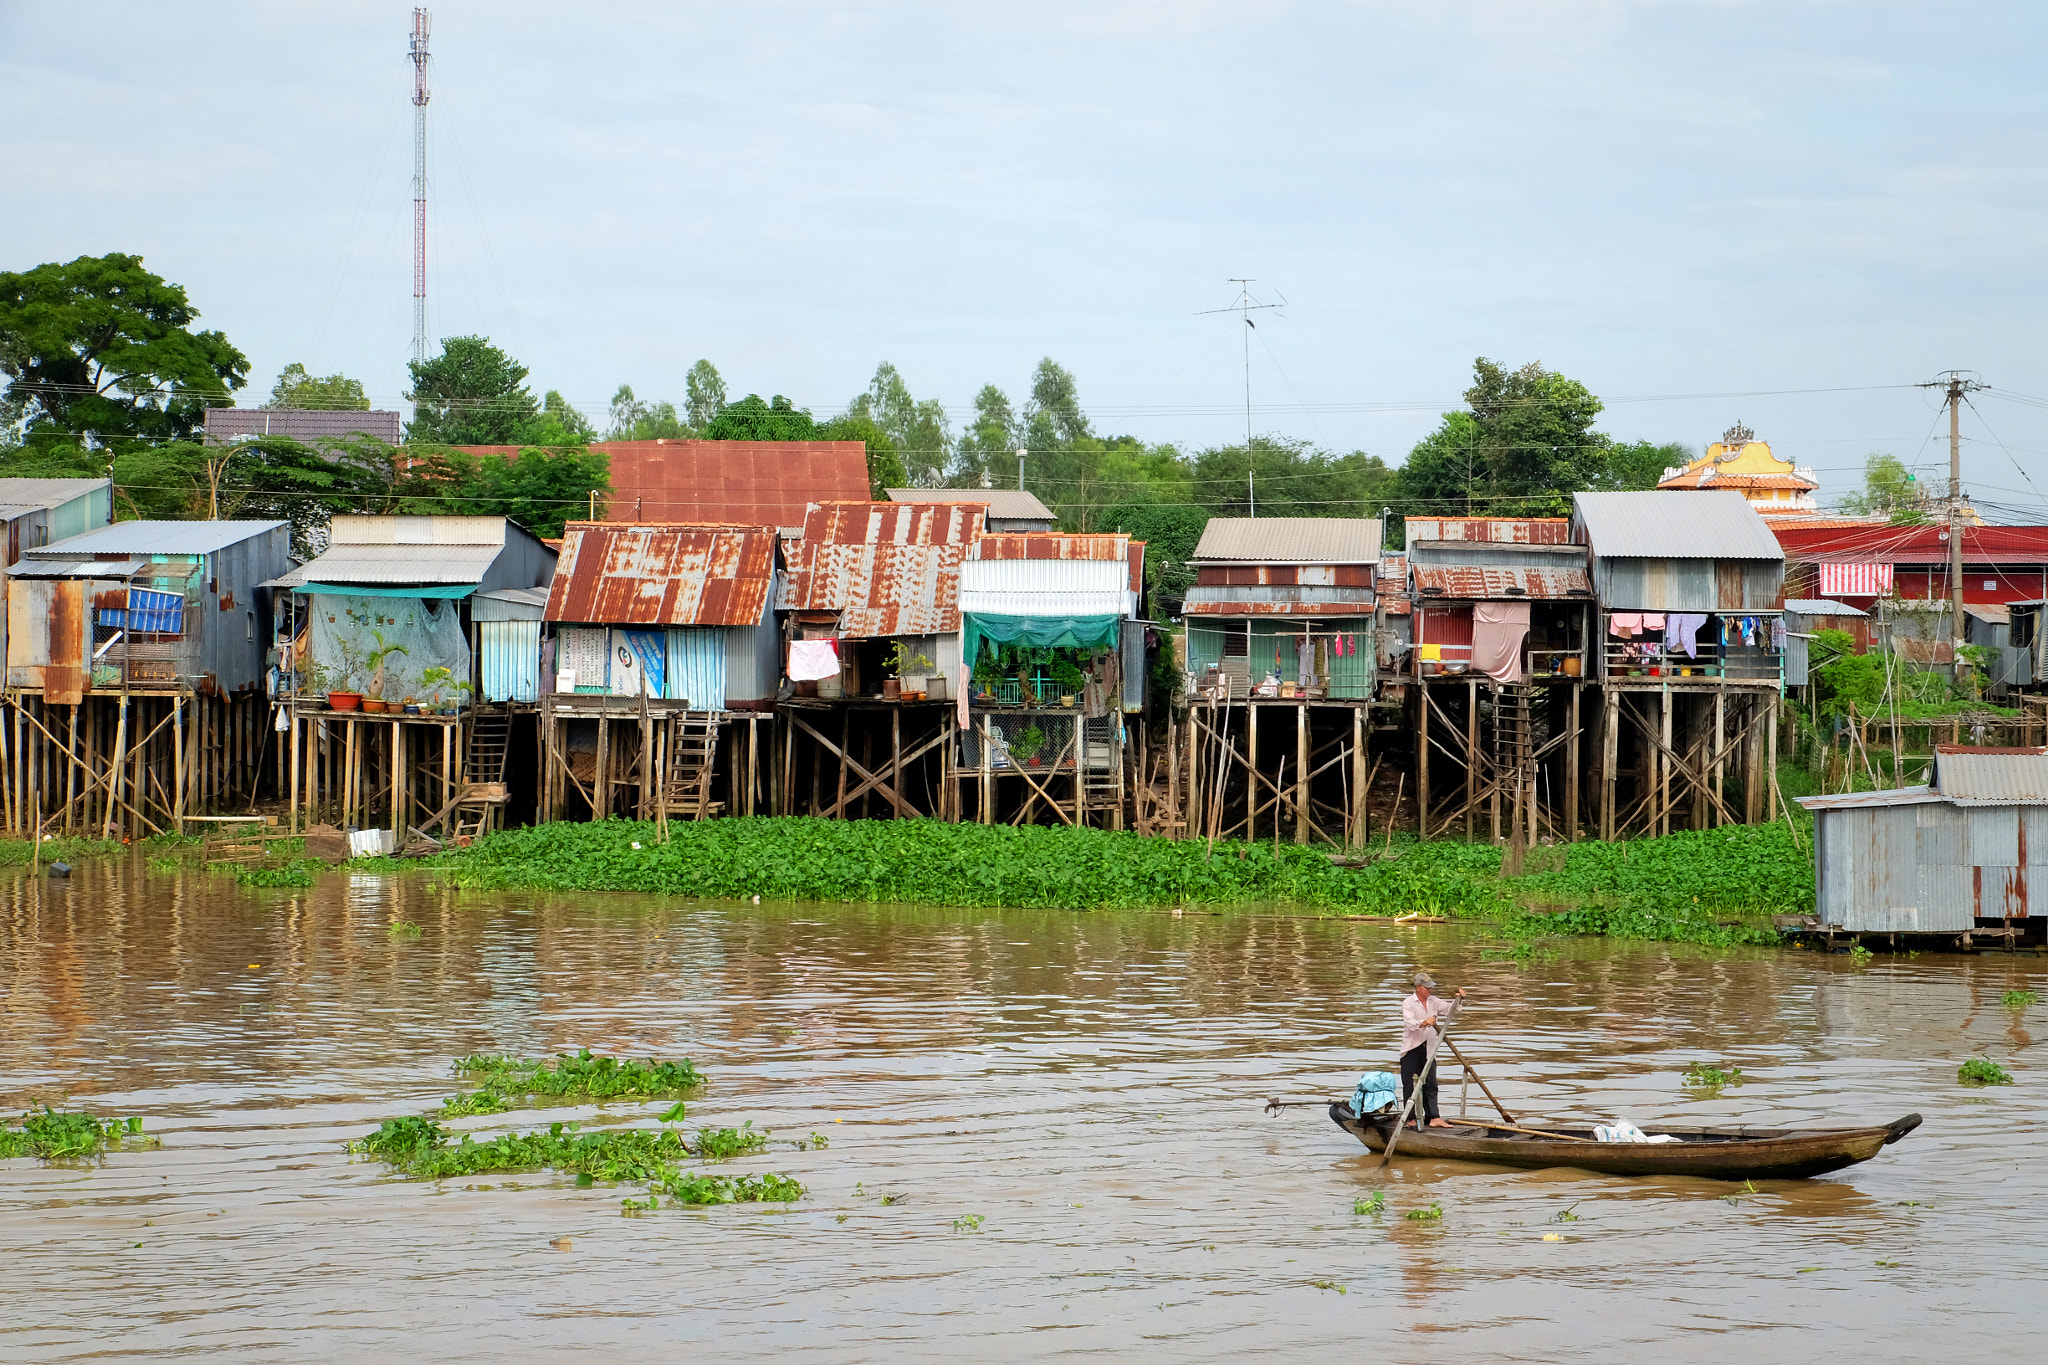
<point>38,511</point>
<point>1285,602</point>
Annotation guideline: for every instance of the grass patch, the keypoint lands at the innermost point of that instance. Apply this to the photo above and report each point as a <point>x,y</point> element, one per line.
<point>1684,887</point>
<point>58,1135</point>
<point>505,1082</point>
<point>1980,1071</point>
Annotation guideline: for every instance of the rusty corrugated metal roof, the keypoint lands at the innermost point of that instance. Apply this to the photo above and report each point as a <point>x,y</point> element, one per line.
<point>724,483</point>
<point>1102,546</point>
<point>1479,583</point>
<point>886,568</point>
<point>664,574</point>
<point>1496,530</point>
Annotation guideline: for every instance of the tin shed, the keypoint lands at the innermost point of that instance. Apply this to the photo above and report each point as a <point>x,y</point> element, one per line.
<point>1294,595</point>
<point>682,612</point>
<point>155,605</point>
<point>1944,858</point>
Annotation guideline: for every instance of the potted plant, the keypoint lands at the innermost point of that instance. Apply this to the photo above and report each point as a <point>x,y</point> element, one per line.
<point>375,661</point>
<point>345,697</point>
<point>1026,744</point>
<point>910,670</point>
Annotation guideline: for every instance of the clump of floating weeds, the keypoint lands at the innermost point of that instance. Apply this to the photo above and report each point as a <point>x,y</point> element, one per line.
<point>1328,1284</point>
<point>298,874</point>
<point>1433,1214</point>
<point>1980,1071</point>
<point>1859,955</point>
<point>404,928</point>
<point>501,1081</point>
<point>1748,1187</point>
<point>688,1187</point>
<point>1566,1215</point>
<point>56,1135</point>
<point>1712,1077</point>
<point>1373,1204</point>
<point>968,1222</point>
<point>2018,1000</point>
<point>723,1144</point>
<point>817,1141</point>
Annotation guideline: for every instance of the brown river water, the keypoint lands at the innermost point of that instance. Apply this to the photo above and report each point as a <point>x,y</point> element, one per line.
<point>1088,1085</point>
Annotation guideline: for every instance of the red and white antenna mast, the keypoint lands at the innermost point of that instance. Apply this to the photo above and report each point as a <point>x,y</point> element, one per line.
<point>420,95</point>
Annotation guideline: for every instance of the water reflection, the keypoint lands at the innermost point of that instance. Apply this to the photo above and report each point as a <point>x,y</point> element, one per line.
<point>1089,1085</point>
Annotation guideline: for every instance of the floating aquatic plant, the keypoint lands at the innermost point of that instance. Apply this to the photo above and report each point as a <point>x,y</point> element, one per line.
<point>503,1081</point>
<point>1433,1214</point>
<point>1372,1204</point>
<point>2018,1000</point>
<point>1981,1071</point>
<point>1712,1077</point>
<point>62,1135</point>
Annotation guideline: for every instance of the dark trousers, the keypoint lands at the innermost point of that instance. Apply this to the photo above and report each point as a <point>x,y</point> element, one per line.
<point>1412,1062</point>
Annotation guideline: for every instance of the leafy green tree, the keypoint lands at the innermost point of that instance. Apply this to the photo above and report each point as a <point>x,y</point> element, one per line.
<point>989,445</point>
<point>1170,532</point>
<point>1290,478</point>
<point>295,388</point>
<point>560,424</point>
<point>1638,465</point>
<point>1889,490</point>
<point>472,394</point>
<point>538,488</point>
<point>100,349</point>
<point>1536,435</point>
<point>919,430</point>
<point>633,420</point>
<point>703,395</point>
<point>268,478</point>
<point>1445,474</point>
<point>750,419</point>
<point>885,467</point>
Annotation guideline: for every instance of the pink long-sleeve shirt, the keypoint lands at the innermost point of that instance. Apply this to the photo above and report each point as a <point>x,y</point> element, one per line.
<point>1419,1016</point>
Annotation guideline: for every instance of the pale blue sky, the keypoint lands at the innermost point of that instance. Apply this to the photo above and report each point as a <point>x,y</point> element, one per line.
<point>1667,199</point>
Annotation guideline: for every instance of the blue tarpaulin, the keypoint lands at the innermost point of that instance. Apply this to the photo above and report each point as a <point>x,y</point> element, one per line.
<point>158,613</point>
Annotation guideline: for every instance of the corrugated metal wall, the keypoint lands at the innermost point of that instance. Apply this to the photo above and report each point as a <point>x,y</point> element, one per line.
<point>696,666</point>
<point>1926,867</point>
<point>511,659</point>
<point>1689,584</point>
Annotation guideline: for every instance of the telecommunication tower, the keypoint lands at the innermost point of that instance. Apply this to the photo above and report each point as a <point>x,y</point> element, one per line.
<point>420,95</point>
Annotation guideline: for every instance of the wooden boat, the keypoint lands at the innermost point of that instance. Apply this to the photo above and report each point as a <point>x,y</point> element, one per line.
<point>1737,1152</point>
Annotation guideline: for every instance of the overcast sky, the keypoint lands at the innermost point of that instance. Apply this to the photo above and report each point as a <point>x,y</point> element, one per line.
<point>1781,212</point>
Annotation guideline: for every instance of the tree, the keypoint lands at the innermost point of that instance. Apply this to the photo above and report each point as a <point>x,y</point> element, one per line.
<point>1639,465</point>
<point>100,349</point>
<point>1536,435</point>
<point>472,394</point>
<point>703,395</point>
<point>266,478</point>
<point>923,443</point>
<point>750,419</point>
<point>633,420</point>
<point>540,489</point>
<point>295,388</point>
<point>1170,532</point>
<point>1445,474</point>
<point>989,445</point>
<point>1290,478</point>
<point>1889,490</point>
<point>885,466</point>
<point>560,424</point>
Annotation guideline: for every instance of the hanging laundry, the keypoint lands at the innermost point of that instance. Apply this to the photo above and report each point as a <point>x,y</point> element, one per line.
<point>1625,623</point>
<point>1305,660</point>
<point>1681,631</point>
<point>1778,633</point>
<point>1653,620</point>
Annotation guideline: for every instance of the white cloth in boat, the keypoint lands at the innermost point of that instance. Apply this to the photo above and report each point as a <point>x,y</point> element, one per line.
<point>1624,1131</point>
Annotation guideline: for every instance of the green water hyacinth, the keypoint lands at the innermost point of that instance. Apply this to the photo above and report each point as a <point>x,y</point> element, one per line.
<point>505,1082</point>
<point>57,1135</point>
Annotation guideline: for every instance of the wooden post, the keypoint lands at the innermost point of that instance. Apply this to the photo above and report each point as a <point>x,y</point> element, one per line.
<point>988,777</point>
<point>1472,759</point>
<point>113,815</point>
<point>1301,771</point>
<point>1571,769</point>
<point>896,760</point>
<point>845,722</point>
<point>1191,828</point>
<point>1770,783</point>
<point>1663,768</point>
<point>601,775</point>
<point>1356,834</point>
<point>1421,764</point>
<point>398,796</point>
<point>1610,756</point>
<point>1251,765</point>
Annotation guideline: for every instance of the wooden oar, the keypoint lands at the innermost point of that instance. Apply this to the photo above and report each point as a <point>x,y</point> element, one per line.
<point>1421,1079</point>
<point>1532,1132</point>
<point>1475,1076</point>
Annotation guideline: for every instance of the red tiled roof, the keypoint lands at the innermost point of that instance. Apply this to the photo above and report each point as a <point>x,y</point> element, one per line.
<point>1710,479</point>
<point>887,568</point>
<point>662,575</point>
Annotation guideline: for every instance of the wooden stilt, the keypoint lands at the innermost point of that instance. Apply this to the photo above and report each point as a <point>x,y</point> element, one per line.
<point>1571,770</point>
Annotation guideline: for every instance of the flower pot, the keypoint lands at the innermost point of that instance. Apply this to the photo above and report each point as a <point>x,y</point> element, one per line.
<point>412,710</point>
<point>344,701</point>
<point>892,689</point>
<point>1034,762</point>
<point>1067,699</point>
<point>913,682</point>
<point>376,706</point>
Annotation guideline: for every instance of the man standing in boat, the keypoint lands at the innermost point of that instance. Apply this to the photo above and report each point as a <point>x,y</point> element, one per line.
<point>1420,1034</point>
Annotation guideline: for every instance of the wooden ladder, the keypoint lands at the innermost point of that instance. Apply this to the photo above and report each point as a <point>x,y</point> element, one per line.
<point>692,751</point>
<point>490,732</point>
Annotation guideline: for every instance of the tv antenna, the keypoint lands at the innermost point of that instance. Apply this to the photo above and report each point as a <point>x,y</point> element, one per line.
<point>1244,305</point>
<point>417,53</point>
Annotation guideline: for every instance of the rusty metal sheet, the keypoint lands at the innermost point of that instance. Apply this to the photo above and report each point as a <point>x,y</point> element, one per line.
<point>1476,583</point>
<point>886,568</point>
<point>662,575</point>
<point>727,483</point>
<point>1053,545</point>
<point>1497,530</point>
<point>64,675</point>
<point>1240,608</point>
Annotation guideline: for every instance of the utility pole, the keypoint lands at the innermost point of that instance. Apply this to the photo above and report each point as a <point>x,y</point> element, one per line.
<point>1244,306</point>
<point>1955,386</point>
<point>1021,453</point>
<point>420,95</point>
